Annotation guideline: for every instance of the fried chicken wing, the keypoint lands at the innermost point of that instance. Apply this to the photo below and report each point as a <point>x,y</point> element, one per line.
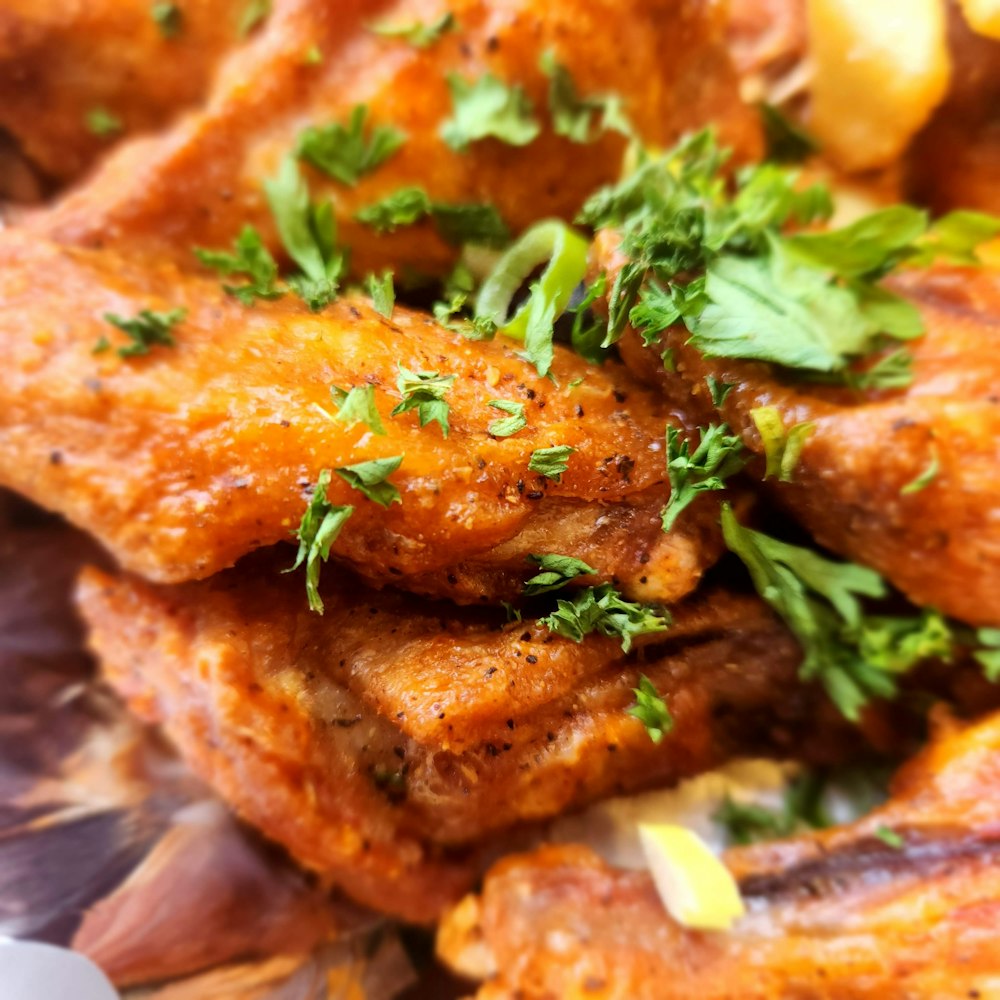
<point>60,65</point>
<point>837,915</point>
<point>940,544</point>
<point>184,460</point>
<point>377,739</point>
<point>199,183</point>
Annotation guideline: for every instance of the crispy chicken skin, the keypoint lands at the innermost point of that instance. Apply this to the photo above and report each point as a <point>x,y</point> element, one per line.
<point>939,545</point>
<point>371,740</point>
<point>198,183</point>
<point>181,461</point>
<point>838,915</point>
<point>60,61</point>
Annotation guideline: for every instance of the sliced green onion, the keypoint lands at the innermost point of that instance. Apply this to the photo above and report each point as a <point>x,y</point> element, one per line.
<point>552,241</point>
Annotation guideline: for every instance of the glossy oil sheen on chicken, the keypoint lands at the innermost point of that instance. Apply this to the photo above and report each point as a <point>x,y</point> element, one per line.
<point>183,460</point>
<point>198,184</point>
<point>378,739</point>
<point>837,915</point>
<point>940,544</point>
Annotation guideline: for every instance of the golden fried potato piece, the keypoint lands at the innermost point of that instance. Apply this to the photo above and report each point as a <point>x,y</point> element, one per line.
<point>185,459</point>
<point>838,915</point>
<point>376,741</point>
<point>940,544</point>
<point>200,182</point>
<point>61,63</point>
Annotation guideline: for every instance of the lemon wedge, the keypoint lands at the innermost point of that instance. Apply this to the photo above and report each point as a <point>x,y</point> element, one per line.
<point>880,67</point>
<point>696,887</point>
<point>983,16</point>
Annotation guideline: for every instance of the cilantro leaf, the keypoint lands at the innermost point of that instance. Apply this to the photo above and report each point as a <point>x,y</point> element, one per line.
<point>251,259</point>
<point>787,142</point>
<point>318,530</point>
<point>819,601</point>
<point>416,33</point>
<point>357,407</point>
<point>370,478</point>
<point>556,572</point>
<point>403,207</point>
<point>651,710</point>
<point>252,16</point>
<point>802,809</point>
<point>168,17</point>
<point>308,232</point>
<point>782,446</point>
<point>345,153</point>
<point>103,123</point>
<point>579,119</point>
<point>989,658</point>
<point>718,456</point>
<point>890,838</point>
<point>506,426</point>
<point>895,643</point>
<point>551,462</point>
<point>145,330</point>
<point>488,108</point>
<point>717,391</point>
<point>425,392</point>
<point>602,609</point>
<point>955,236</point>
<point>382,293</point>
<point>927,476</point>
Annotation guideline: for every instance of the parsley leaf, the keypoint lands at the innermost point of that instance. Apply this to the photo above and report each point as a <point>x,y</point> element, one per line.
<point>145,330</point>
<point>506,426</point>
<point>717,390</point>
<point>318,530</point>
<point>344,152</point>
<point>551,462</point>
<point>925,477</point>
<point>718,456</point>
<point>989,658</point>
<point>308,232</point>
<point>251,259</point>
<point>253,14</point>
<point>425,392</point>
<point>556,572</point>
<point>602,609</point>
<point>803,809</point>
<point>819,601</point>
<point>382,292</point>
<point>651,710</point>
<point>370,478</point>
<point>488,108</point>
<point>457,223</point>
<point>416,33</point>
<point>167,17</point>
<point>103,123</point>
<point>890,838</point>
<point>579,119</point>
<point>786,141</point>
<point>357,407</point>
<point>782,446</point>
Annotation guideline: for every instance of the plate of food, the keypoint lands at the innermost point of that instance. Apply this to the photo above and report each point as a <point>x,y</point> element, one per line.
<point>500,499</point>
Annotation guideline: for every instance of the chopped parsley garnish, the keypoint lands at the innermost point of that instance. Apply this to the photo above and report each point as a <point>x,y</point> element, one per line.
<point>890,838</point>
<point>651,710</point>
<point>506,426</point>
<point>168,18</point>
<point>357,407</point>
<point>103,123</point>
<point>925,477</point>
<point>551,462</point>
<point>718,456</point>
<point>556,572</point>
<point>425,392</point>
<point>313,56</point>
<point>803,809</point>
<point>145,330</point>
<point>318,530</point>
<point>717,390</point>
<point>579,119</point>
<point>382,292</point>
<point>309,234</point>
<point>347,153</point>
<point>989,657</point>
<point>854,657</point>
<point>787,142</point>
<point>488,108</point>
<point>782,445</point>
<point>253,14</point>
<point>416,33</point>
<point>717,257</point>
<point>252,260</point>
<point>371,479</point>
<point>457,223</point>
<point>602,609</point>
